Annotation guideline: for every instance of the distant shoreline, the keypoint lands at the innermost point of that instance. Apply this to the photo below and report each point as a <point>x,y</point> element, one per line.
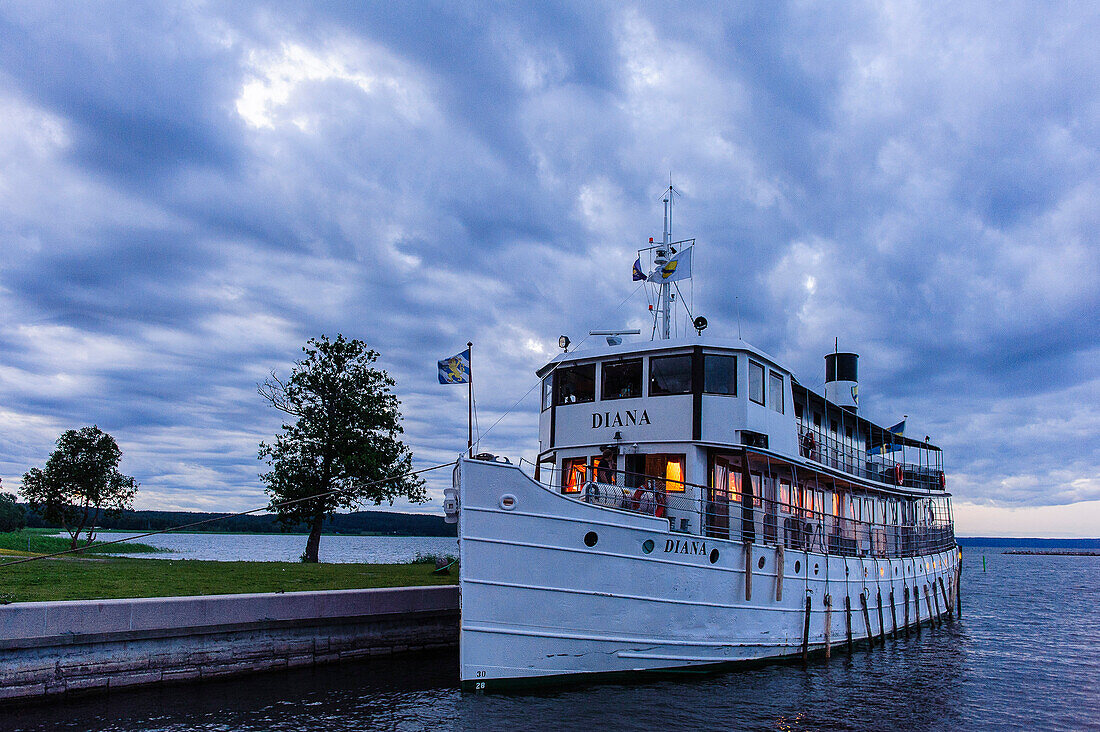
<point>1054,552</point>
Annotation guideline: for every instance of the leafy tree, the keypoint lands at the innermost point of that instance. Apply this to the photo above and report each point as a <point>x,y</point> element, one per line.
<point>345,437</point>
<point>12,516</point>
<point>80,483</point>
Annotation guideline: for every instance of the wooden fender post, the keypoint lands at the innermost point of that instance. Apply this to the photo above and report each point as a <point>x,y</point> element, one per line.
<point>828,626</point>
<point>959,590</point>
<point>916,606</point>
<point>867,620</point>
<point>906,611</point>
<point>893,617</point>
<point>928,604</point>
<point>848,620</point>
<point>936,598</point>
<point>748,572</point>
<point>806,633</point>
<point>881,624</point>
<point>779,568</point>
<point>946,601</point>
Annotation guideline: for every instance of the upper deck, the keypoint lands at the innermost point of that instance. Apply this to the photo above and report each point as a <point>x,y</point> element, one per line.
<point>659,396</point>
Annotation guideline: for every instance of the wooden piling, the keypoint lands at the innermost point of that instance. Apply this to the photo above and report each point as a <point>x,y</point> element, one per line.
<point>748,572</point>
<point>779,568</point>
<point>946,601</point>
<point>906,595</point>
<point>806,633</point>
<point>936,598</point>
<point>828,626</point>
<point>928,604</point>
<point>881,624</point>
<point>893,617</point>
<point>848,620</point>
<point>867,620</point>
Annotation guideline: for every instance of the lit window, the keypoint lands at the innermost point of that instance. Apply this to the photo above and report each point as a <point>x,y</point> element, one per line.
<point>573,472</point>
<point>674,475</point>
<point>756,382</point>
<point>577,384</point>
<point>775,391</point>
<point>669,375</point>
<point>621,380</point>
<point>719,374</point>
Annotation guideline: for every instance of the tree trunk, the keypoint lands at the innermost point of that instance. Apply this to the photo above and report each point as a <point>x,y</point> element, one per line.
<point>313,544</point>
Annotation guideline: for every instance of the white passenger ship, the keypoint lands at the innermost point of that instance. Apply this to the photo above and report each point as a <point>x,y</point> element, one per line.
<point>693,505</point>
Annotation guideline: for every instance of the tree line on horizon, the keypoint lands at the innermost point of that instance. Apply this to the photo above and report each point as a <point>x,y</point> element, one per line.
<point>342,449</point>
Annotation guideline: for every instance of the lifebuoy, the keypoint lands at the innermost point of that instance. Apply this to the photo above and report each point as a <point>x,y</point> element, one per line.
<point>636,499</point>
<point>592,492</point>
<point>659,511</point>
<point>899,474</point>
<point>943,480</point>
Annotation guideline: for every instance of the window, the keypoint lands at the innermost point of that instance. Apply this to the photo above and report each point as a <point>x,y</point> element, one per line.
<point>577,384</point>
<point>817,421</point>
<point>669,375</point>
<point>756,382</point>
<point>786,497</point>
<point>621,380</point>
<point>775,391</point>
<point>719,374</point>
<point>573,472</point>
<point>547,391</point>
<point>669,467</point>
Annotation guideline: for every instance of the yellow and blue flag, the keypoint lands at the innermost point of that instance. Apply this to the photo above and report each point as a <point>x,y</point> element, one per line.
<point>638,273</point>
<point>677,268</point>
<point>456,369</point>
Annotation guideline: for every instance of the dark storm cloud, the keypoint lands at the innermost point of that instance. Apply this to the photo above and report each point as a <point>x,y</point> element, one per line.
<point>187,195</point>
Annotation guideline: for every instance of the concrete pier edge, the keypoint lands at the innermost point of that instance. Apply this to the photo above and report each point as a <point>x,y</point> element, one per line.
<point>57,648</point>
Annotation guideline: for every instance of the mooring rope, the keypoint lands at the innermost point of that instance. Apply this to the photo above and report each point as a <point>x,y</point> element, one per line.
<point>268,507</point>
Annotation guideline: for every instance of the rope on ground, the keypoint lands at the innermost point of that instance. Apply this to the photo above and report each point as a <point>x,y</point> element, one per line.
<point>193,524</point>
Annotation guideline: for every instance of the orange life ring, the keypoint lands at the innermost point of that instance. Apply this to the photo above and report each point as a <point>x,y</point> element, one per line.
<point>899,475</point>
<point>659,512</point>
<point>636,499</point>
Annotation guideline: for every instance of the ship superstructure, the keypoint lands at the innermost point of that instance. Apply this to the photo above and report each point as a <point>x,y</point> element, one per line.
<point>694,505</point>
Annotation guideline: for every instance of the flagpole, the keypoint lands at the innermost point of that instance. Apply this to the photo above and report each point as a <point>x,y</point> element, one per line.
<point>470,402</point>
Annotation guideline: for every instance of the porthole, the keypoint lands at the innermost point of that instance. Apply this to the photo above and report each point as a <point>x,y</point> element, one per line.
<point>590,538</point>
<point>797,567</point>
<point>713,556</point>
<point>760,563</point>
<point>647,546</point>
<point>815,569</point>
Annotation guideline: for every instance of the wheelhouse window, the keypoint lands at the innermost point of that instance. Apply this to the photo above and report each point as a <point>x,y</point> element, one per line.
<point>547,391</point>
<point>775,391</point>
<point>621,380</point>
<point>669,375</point>
<point>756,382</point>
<point>719,374</point>
<point>577,384</point>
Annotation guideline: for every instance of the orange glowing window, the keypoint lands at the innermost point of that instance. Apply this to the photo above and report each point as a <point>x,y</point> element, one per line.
<point>674,475</point>
<point>573,475</point>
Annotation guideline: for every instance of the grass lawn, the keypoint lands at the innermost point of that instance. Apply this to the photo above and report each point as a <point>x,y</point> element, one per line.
<point>100,578</point>
<point>39,541</point>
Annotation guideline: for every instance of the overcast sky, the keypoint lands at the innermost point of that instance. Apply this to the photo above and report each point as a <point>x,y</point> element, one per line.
<point>188,194</point>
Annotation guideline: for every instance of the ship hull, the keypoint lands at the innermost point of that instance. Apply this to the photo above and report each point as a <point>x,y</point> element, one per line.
<point>553,589</point>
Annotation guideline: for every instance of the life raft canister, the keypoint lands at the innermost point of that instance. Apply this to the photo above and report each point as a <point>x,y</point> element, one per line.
<point>899,475</point>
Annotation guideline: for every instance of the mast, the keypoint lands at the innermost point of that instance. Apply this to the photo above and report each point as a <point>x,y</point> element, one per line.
<point>665,301</point>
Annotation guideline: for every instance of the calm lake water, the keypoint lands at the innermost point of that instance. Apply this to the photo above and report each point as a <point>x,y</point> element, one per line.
<point>1025,655</point>
<point>288,547</point>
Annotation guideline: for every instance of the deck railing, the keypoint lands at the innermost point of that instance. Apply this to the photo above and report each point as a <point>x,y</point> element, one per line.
<point>770,522</point>
<point>818,445</point>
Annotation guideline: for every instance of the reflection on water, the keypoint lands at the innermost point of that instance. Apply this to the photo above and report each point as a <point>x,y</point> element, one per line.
<point>289,547</point>
<point>1024,656</point>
